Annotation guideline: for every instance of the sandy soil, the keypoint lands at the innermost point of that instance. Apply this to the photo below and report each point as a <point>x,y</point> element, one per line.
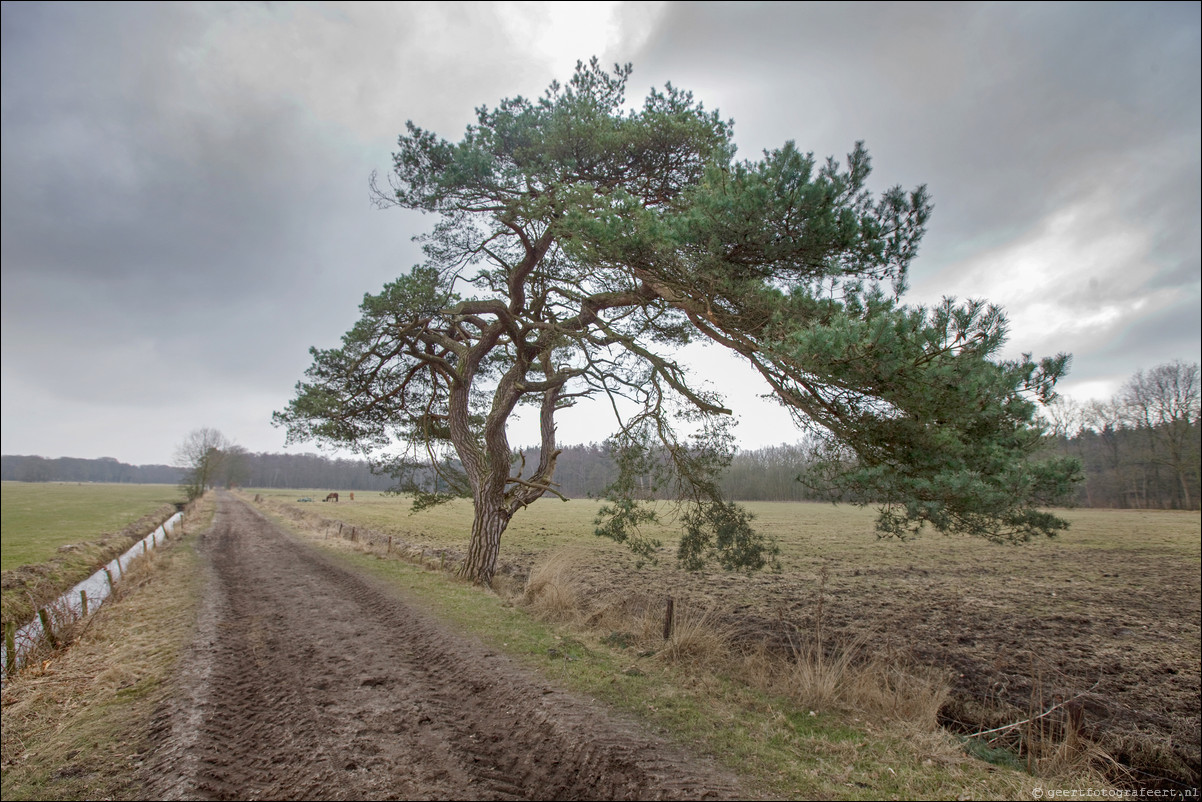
<point>307,681</point>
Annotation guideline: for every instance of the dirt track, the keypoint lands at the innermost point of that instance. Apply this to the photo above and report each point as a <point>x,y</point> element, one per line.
<point>307,681</point>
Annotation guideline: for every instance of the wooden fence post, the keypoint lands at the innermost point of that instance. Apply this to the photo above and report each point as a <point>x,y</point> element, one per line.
<point>10,646</point>
<point>668,616</point>
<point>83,603</point>
<point>45,618</point>
<point>109,575</point>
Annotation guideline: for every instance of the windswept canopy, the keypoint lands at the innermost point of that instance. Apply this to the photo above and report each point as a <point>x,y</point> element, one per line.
<point>579,244</point>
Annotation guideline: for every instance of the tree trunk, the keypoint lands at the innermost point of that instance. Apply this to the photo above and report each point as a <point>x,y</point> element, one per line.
<point>487,525</point>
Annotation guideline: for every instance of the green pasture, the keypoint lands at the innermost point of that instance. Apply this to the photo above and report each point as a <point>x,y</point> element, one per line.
<point>38,517</point>
<point>810,534</point>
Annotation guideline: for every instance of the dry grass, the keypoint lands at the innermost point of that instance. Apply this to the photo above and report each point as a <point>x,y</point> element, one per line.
<point>699,638</point>
<point>1048,743</point>
<point>552,590</point>
<point>847,678</point>
<point>556,591</point>
<point>817,675</point>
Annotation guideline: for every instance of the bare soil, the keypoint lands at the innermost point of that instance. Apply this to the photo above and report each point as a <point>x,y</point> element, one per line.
<point>1110,637</point>
<point>309,681</point>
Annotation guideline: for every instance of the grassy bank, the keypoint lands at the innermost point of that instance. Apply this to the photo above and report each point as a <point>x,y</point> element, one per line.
<point>36,518</point>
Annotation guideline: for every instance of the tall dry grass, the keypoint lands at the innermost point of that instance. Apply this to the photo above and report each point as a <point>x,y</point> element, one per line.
<point>814,674</point>
<point>1049,742</point>
<point>699,638</point>
<point>822,676</point>
<point>553,589</point>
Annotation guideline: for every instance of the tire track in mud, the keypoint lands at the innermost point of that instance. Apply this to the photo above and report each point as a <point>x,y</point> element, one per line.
<point>308,681</point>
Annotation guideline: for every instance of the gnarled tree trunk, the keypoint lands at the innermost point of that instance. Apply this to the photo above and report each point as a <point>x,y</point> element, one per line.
<point>488,524</point>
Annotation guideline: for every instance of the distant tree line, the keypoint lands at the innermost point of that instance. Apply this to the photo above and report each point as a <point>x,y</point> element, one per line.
<point>231,466</point>
<point>306,471</point>
<point>70,469</point>
<point>764,474</point>
<point>1140,449</point>
<point>768,474</point>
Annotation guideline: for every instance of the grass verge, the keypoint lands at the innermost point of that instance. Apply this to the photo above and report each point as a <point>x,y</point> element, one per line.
<point>39,517</point>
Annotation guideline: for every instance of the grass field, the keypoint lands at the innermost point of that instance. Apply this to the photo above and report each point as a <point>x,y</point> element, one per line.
<point>55,535</point>
<point>38,517</point>
<point>1106,617</point>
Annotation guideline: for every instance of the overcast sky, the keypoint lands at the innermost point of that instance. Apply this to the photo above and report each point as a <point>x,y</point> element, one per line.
<point>186,205</point>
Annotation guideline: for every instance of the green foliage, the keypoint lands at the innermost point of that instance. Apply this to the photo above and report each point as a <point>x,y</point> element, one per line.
<point>712,529</point>
<point>621,520</point>
<point>949,438</point>
<point>723,530</point>
<point>579,243</point>
<point>800,271</point>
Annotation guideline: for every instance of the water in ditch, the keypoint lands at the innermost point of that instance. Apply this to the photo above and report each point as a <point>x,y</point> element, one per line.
<point>97,588</point>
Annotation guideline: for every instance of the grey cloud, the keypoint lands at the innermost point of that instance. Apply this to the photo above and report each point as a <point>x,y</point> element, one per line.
<point>996,107</point>
<point>1150,341</point>
<point>185,186</point>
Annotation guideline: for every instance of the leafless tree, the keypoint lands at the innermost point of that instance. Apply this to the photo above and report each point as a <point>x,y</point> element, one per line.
<point>1163,404</point>
<point>200,455</point>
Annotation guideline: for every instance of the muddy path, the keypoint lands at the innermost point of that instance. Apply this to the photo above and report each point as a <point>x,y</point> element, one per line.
<point>307,681</point>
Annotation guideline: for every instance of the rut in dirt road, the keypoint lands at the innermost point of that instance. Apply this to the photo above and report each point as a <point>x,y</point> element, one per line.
<point>307,681</point>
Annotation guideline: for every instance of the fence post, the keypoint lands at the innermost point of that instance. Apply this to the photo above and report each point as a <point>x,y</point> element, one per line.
<point>45,618</point>
<point>389,551</point>
<point>109,575</point>
<point>10,647</point>
<point>83,603</point>
<point>668,620</point>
